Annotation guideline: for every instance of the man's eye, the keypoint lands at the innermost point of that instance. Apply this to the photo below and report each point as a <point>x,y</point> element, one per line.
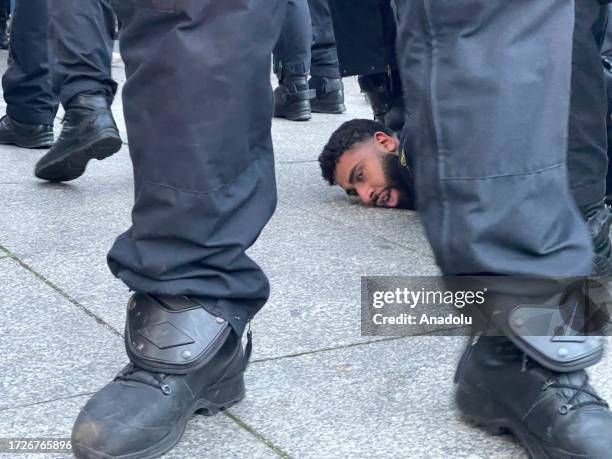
<point>351,192</point>
<point>360,176</point>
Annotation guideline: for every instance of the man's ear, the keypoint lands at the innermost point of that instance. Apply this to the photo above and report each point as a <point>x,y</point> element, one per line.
<point>389,142</point>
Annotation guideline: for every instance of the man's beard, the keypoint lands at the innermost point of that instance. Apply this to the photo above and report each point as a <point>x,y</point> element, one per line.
<point>403,183</point>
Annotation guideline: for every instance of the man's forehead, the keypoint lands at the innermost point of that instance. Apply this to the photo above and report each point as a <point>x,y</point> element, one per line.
<point>348,160</point>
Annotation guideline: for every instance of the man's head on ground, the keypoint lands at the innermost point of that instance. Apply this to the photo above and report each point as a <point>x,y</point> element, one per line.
<point>362,157</point>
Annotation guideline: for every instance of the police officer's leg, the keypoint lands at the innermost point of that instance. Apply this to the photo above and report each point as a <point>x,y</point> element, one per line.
<point>82,33</point>
<point>587,148</point>
<point>365,35</point>
<point>606,54</point>
<point>82,43</point>
<point>384,89</point>
<point>198,109</point>
<point>325,70</point>
<point>31,104</point>
<point>292,64</point>
<point>490,146</point>
<point>609,149</point>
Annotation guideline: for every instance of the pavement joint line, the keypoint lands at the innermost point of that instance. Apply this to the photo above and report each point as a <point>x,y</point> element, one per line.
<point>382,238</point>
<point>42,402</point>
<point>351,345</point>
<point>241,423</point>
<point>61,292</point>
<point>327,349</point>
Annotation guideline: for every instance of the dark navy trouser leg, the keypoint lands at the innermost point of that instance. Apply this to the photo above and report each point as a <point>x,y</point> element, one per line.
<point>198,110</point>
<point>292,51</point>
<point>488,83</point>
<point>82,46</point>
<point>26,82</point>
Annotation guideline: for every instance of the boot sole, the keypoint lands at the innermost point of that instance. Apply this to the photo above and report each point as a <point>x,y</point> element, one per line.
<point>72,163</point>
<point>215,399</point>
<point>485,414</point>
<point>300,115</point>
<point>330,109</point>
<point>39,142</point>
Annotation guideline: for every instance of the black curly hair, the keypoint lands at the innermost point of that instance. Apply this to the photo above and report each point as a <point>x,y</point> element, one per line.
<point>343,139</point>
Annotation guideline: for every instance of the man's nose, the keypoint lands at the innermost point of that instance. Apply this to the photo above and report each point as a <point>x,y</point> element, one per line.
<point>366,193</point>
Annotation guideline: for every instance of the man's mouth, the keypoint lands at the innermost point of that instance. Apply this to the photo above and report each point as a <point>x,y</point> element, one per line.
<point>388,198</point>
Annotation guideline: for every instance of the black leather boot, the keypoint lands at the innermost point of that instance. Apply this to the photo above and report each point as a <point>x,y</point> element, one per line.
<point>554,415</point>
<point>329,95</point>
<point>183,361</point>
<point>292,99</point>
<point>599,220</point>
<point>89,132</point>
<point>25,135</point>
<point>383,92</point>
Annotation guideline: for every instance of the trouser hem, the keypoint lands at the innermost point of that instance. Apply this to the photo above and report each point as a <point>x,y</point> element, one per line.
<point>91,86</point>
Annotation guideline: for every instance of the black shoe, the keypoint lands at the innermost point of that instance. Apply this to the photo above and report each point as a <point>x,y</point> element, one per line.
<point>142,414</point>
<point>554,415</point>
<point>292,99</point>
<point>89,132</point>
<point>329,95</point>
<point>384,94</point>
<point>599,221</point>
<point>25,135</point>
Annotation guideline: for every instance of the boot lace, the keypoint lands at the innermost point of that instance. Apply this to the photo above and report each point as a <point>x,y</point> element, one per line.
<point>134,373</point>
<point>578,390</point>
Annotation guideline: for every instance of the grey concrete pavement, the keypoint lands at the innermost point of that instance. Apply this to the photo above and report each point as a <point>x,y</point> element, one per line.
<point>316,388</point>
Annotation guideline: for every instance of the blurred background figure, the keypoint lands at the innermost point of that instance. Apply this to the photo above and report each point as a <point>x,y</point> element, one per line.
<point>365,34</point>
<point>292,57</point>
<point>307,46</point>
<point>82,33</point>
<point>606,59</point>
<point>5,14</point>
<point>325,76</point>
<point>31,103</point>
<point>61,56</point>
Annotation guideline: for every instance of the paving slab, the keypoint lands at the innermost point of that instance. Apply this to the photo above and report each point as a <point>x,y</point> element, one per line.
<point>314,280</point>
<point>85,277</point>
<point>212,437</point>
<point>391,399</point>
<point>117,68</point>
<point>301,185</point>
<point>385,400</point>
<point>50,347</point>
<point>38,217</point>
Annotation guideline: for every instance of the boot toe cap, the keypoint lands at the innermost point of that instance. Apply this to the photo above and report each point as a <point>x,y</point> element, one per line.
<point>109,426</point>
